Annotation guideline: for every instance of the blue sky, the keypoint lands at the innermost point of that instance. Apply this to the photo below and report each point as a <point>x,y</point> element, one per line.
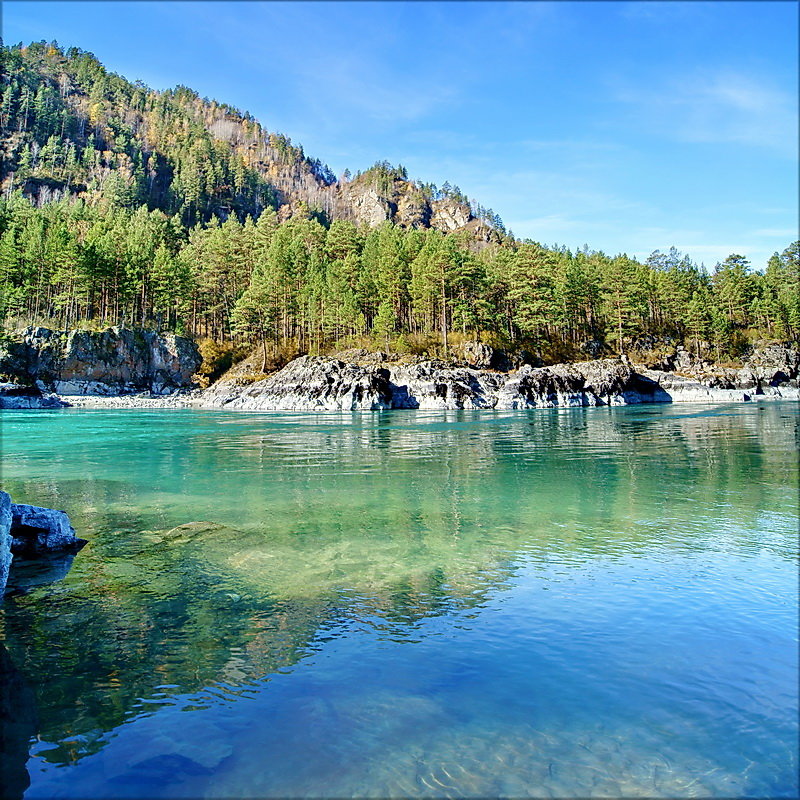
<point>628,126</point>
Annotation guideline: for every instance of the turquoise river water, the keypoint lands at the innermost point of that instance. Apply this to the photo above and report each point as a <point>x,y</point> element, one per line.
<point>555,603</point>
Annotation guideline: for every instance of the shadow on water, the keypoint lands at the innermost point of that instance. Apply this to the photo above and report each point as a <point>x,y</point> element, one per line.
<point>19,722</point>
<point>18,727</point>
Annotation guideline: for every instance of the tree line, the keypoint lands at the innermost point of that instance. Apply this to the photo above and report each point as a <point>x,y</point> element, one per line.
<point>323,286</point>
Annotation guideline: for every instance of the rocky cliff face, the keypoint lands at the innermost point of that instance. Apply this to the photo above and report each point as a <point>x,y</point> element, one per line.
<point>115,361</point>
<point>403,203</point>
<point>373,381</point>
<point>309,384</point>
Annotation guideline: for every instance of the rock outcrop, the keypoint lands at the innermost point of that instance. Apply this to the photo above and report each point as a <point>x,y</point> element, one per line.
<point>31,532</point>
<point>374,382</point>
<point>329,384</point>
<point>448,215</point>
<point>312,383</point>
<point>111,362</point>
<point>478,354</point>
<point>772,365</point>
<point>676,388</point>
<point>368,207</point>
<point>370,202</point>
<point>438,385</point>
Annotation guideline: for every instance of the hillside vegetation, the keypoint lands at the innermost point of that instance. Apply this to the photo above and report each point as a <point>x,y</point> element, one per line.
<point>123,205</point>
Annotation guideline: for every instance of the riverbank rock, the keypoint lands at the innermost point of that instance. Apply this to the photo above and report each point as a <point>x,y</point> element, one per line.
<point>313,383</point>
<point>37,530</point>
<point>5,539</point>
<point>31,532</point>
<point>13,395</point>
<point>438,385</point>
<point>773,365</point>
<point>328,384</point>
<point>714,389</point>
<point>110,362</point>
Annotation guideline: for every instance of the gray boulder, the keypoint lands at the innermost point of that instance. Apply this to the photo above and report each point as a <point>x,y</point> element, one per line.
<point>37,530</point>
<point>13,395</point>
<point>31,532</point>
<point>5,539</point>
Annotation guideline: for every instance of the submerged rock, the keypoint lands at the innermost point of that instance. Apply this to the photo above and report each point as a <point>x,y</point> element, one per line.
<point>189,531</point>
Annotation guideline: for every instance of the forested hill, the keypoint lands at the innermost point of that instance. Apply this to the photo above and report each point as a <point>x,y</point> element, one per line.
<point>121,205</point>
<point>71,128</point>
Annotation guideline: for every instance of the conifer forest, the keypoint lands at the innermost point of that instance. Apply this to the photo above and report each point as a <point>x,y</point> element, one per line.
<point>124,205</point>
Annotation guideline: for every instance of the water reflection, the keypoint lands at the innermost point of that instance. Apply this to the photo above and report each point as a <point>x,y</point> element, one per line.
<point>18,726</point>
<point>443,590</point>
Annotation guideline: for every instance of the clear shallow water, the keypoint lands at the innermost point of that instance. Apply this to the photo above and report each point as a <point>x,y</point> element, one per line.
<point>548,603</point>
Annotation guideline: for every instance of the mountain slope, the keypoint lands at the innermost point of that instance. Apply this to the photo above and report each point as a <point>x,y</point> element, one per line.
<point>71,128</point>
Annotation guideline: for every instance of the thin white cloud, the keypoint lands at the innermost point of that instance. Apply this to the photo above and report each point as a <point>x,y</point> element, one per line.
<point>338,82</point>
<point>720,107</point>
